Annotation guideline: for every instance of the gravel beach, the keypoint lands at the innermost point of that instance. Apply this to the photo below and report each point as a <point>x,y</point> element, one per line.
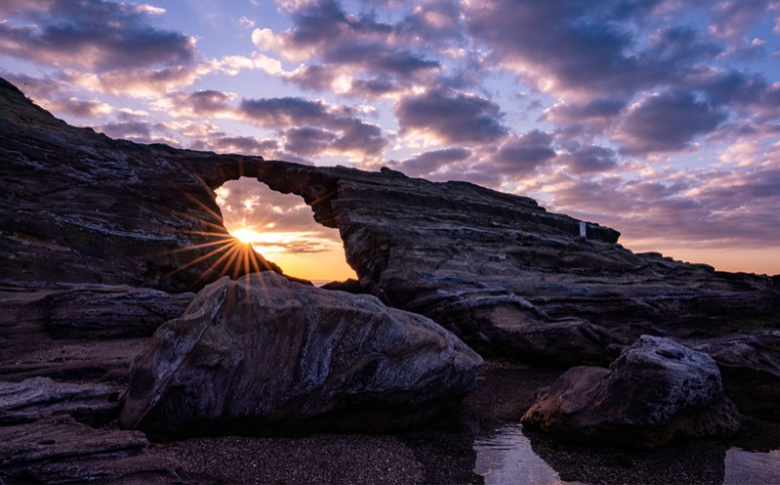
<point>444,452</point>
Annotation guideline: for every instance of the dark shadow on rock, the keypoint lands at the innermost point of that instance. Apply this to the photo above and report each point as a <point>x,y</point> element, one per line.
<point>349,285</point>
<point>700,462</point>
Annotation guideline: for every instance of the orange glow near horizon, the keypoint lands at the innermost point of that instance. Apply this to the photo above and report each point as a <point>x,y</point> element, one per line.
<point>734,260</point>
<point>731,259</point>
<point>282,228</point>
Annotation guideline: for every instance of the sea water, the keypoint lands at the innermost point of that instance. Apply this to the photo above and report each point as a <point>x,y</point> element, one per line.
<point>505,457</point>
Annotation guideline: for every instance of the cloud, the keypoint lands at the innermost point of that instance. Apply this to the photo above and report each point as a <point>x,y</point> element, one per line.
<point>667,122</point>
<point>732,19</point>
<point>450,117</point>
<point>556,44</point>
<point>733,208</point>
<point>309,128</point>
<point>137,83</point>
<point>590,159</point>
<point>245,145</point>
<point>308,141</point>
<point>140,132</point>
<point>427,162</point>
<point>352,54</point>
<point>79,108</point>
<point>523,154</point>
<point>289,111</point>
<point>580,49</point>
<point>91,34</point>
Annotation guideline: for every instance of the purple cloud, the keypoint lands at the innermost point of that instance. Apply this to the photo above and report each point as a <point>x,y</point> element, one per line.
<point>451,117</point>
<point>590,159</point>
<point>525,153</point>
<point>427,162</point>
<point>91,34</point>
<point>666,123</point>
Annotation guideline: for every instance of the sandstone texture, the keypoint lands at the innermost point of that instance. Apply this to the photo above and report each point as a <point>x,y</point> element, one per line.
<point>264,355</point>
<point>100,311</point>
<point>511,278</point>
<point>61,450</point>
<point>656,391</point>
<point>40,396</point>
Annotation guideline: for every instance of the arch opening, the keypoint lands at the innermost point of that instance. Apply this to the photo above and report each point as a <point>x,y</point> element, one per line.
<point>281,228</point>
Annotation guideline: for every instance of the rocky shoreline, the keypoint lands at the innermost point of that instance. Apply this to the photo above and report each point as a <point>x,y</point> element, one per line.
<point>123,294</point>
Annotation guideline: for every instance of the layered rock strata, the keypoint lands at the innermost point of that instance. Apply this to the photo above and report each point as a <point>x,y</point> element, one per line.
<point>79,207</point>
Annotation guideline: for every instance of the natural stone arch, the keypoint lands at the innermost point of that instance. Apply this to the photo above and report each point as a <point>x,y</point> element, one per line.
<point>281,228</point>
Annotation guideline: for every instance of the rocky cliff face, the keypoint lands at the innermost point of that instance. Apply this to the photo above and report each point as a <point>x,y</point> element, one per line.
<point>497,269</point>
<point>509,276</point>
<point>80,207</point>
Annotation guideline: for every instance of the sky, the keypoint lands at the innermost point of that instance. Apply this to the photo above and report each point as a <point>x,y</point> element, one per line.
<point>659,118</point>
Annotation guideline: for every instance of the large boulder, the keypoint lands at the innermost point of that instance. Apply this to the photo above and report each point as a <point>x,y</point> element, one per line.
<point>657,390</point>
<point>264,355</point>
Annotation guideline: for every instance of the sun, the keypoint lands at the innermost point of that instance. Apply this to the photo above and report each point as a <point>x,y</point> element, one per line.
<point>246,235</point>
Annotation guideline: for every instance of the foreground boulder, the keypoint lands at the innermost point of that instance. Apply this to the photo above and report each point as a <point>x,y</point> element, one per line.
<point>264,355</point>
<point>657,390</point>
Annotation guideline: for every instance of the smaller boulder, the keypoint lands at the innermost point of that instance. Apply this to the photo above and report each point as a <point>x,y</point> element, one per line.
<point>656,391</point>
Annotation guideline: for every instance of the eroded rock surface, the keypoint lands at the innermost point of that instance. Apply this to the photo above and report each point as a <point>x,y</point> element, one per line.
<point>34,398</point>
<point>750,370</point>
<point>80,207</point>
<point>101,311</point>
<point>509,277</point>
<point>61,450</point>
<point>656,391</point>
<point>265,355</point>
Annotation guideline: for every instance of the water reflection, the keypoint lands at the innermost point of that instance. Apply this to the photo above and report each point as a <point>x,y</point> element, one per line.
<point>507,456</point>
<point>746,467</point>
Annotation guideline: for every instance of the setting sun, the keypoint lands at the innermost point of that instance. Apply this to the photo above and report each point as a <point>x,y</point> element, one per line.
<point>282,229</point>
<point>245,235</point>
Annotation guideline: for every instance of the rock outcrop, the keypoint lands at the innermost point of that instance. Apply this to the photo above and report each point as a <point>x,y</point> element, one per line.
<point>750,370</point>
<point>656,391</point>
<point>37,397</point>
<point>500,271</point>
<point>264,355</point>
<point>79,207</point>
<point>61,450</point>
<point>101,311</point>
<point>100,239</point>
<point>509,277</point>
